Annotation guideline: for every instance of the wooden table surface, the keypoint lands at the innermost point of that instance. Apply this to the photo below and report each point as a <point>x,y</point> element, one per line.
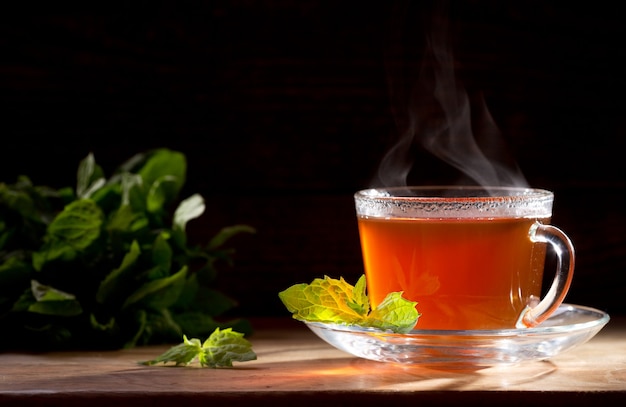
<point>295,367</point>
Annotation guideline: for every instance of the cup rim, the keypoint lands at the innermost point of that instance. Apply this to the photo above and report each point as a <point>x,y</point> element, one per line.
<point>452,201</point>
<point>433,193</point>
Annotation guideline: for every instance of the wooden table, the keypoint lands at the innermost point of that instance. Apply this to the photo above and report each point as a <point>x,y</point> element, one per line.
<point>294,367</point>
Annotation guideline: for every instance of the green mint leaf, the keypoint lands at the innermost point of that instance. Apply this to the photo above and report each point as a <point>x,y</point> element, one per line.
<point>118,277</point>
<point>71,231</point>
<point>85,171</point>
<point>51,301</point>
<point>187,210</point>
<point>62,308</point>
<point>329,300</point>
<point>158,195</point>
<point>394,313</point>
<point>125,221</point>
<point>158,293</point>
<point>191,208</point>
<point>324,300</point>
<point>21,199</point>
<point>14,273</point>
<point>43,292</point>
<point>181,354</point>
<point>89,177</point>
<point>78,225</point>
<point>102,326</point>
<point>220,349</point>
<point>130,185</point>
<point>226,233</point>
<point>162,252</point>
<point>223,347</point>
<point>53,249</point>
<point>360,302</point>
<point>163,174</point>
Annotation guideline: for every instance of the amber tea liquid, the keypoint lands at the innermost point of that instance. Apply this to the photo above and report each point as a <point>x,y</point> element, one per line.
<point>464,273</point>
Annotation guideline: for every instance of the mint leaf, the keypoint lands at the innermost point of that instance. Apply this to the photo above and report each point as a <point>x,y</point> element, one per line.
<point>163,175</point>
<point>190,208</point>
<point>116,277</point>
<point>181,354</point>
<point>324,300</point>
<point>43,292</point>
<point>89,177</point>
<point>225,346</point>
<point>360,302</point>
<point>220,349</point>
<point>51,301</point>
<point>187,210</point>
<point>395,313</point>
<point>161,292</point>
<point>125,220</point>
<point>329,300</point>
<point>78,225</point>
<point>72,231</point>
<point>226,233</point>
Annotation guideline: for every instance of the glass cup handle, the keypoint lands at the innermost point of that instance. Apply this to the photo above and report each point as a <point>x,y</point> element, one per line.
<point>564,249</point>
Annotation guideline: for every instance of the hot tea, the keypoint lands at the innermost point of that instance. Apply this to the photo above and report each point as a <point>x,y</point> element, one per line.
<point>471,257</point>
<point>464,273</point>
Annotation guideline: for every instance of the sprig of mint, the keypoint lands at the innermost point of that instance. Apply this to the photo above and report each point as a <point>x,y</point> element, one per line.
<point>108,264</point>
<point>329,300</point>
<point>220,349</point>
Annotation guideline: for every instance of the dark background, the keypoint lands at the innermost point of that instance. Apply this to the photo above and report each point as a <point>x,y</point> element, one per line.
<point>283,111</point>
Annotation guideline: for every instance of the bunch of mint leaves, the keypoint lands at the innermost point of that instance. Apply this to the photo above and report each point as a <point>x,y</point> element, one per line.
<point>331,301</point>
<point>108,264</point>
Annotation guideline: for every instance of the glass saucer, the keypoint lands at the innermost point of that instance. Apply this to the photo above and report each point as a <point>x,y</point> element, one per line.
<point>569,326</point>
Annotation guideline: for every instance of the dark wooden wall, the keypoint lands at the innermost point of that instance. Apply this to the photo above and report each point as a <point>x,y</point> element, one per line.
<point>283,111</point>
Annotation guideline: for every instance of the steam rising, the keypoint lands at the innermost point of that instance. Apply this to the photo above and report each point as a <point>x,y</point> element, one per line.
<point>433,110</point>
